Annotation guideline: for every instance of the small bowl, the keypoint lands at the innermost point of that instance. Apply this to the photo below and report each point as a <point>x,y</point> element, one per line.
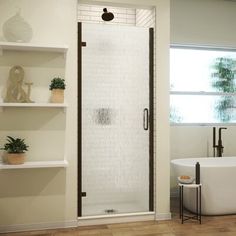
<point>186,181</point>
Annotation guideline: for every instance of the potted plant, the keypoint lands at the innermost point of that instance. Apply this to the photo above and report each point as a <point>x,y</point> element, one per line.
<point>15,150</point>
<point>57,86</point>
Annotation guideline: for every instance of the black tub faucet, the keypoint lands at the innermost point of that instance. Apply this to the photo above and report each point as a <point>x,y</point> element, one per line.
<point>219,147</point>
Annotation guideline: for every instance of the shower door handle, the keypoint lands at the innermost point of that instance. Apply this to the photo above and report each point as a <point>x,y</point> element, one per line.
<point>145,119</point>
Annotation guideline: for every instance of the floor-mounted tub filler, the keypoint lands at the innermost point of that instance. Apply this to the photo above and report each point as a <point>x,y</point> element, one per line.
<point>218,178</point>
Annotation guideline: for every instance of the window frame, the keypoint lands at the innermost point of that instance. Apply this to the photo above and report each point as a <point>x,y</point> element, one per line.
<point>178,92</point>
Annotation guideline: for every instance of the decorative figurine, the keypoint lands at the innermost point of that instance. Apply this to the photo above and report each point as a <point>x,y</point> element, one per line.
<point>15,92</point>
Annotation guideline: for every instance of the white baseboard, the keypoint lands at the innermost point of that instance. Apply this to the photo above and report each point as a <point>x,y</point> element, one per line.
<point>38,226</point>
<point>86,221</point>
<point>163,216</point>
<point>112,219</point>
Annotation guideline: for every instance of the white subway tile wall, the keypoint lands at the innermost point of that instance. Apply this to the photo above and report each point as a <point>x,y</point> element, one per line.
<point>92,13</point>
<point>145,17</point>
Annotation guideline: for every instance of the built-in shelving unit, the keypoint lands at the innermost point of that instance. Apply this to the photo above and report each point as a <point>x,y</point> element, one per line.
<point>33,47</point>
<point>17,48</point>
<point>35,164</point>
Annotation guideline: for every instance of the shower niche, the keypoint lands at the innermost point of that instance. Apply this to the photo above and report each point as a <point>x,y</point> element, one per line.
<point>115,172</point>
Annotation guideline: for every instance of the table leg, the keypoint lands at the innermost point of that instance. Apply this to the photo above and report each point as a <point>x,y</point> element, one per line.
<point>197,203</point>
<point>180,206</point>
<point>200,204</point>
<point>182,203</point>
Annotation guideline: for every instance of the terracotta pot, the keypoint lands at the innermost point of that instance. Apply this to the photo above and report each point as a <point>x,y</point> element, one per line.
<point>15,158</point>
<point>57,96</point>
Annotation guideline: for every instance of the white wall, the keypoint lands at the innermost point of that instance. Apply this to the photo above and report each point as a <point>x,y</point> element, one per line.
<point>202,22</point>
<point>48,196</point>
<point>207,22</point>
<point>197,141</point>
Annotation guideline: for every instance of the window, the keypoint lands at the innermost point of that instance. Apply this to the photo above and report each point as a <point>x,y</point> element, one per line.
<point>202,85</point>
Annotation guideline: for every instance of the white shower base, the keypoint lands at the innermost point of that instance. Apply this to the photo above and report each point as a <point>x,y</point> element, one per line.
<point>116,218</point>
<point>119,208</point>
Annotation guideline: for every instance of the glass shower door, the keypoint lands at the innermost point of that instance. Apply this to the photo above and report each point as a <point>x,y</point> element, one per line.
<point>115,132</point>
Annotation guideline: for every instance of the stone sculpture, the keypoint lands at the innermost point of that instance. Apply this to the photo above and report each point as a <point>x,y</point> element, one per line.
<point>15,92</point>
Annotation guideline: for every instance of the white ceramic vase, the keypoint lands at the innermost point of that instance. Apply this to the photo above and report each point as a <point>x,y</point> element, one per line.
<point>16,29</point>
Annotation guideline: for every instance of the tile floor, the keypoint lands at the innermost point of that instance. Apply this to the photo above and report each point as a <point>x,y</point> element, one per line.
<point>211,225</point>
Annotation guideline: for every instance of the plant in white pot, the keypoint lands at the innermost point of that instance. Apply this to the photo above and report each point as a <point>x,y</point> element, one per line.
<point>57,86</point>
<point>15,150</point>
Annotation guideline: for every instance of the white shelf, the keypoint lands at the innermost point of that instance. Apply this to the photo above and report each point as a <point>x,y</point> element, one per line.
<point>51,105</point>
<point>33,47</point>
<point>35,164</point>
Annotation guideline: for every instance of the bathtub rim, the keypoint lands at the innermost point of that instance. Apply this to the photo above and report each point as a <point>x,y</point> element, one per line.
<point>206,162</point>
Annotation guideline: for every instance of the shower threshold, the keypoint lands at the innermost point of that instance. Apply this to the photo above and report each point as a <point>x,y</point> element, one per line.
<point>115,218</point>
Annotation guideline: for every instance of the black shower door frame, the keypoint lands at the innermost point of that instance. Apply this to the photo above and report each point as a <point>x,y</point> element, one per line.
<point>82,44</point>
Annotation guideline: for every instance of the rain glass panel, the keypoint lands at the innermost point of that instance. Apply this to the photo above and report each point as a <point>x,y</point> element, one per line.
<point>115,147</point>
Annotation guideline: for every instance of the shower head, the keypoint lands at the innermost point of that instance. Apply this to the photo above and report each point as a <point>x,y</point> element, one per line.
<point>107,16</point>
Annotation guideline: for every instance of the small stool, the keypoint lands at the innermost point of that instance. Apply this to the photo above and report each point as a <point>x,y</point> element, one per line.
<point>198,214</point>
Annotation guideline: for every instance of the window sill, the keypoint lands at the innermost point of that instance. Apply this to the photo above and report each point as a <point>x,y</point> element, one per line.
<point>202,124</point>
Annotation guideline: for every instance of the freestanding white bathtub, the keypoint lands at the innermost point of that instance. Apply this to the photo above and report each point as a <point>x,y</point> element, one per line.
<point>218,178</point>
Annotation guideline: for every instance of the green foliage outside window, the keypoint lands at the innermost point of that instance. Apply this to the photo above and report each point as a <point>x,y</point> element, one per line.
<point>175,116</point>
<point>223,79</point>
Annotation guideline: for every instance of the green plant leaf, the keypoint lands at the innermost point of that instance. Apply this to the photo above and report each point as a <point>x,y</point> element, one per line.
<point>57,83</point>
<point>15,145</point>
